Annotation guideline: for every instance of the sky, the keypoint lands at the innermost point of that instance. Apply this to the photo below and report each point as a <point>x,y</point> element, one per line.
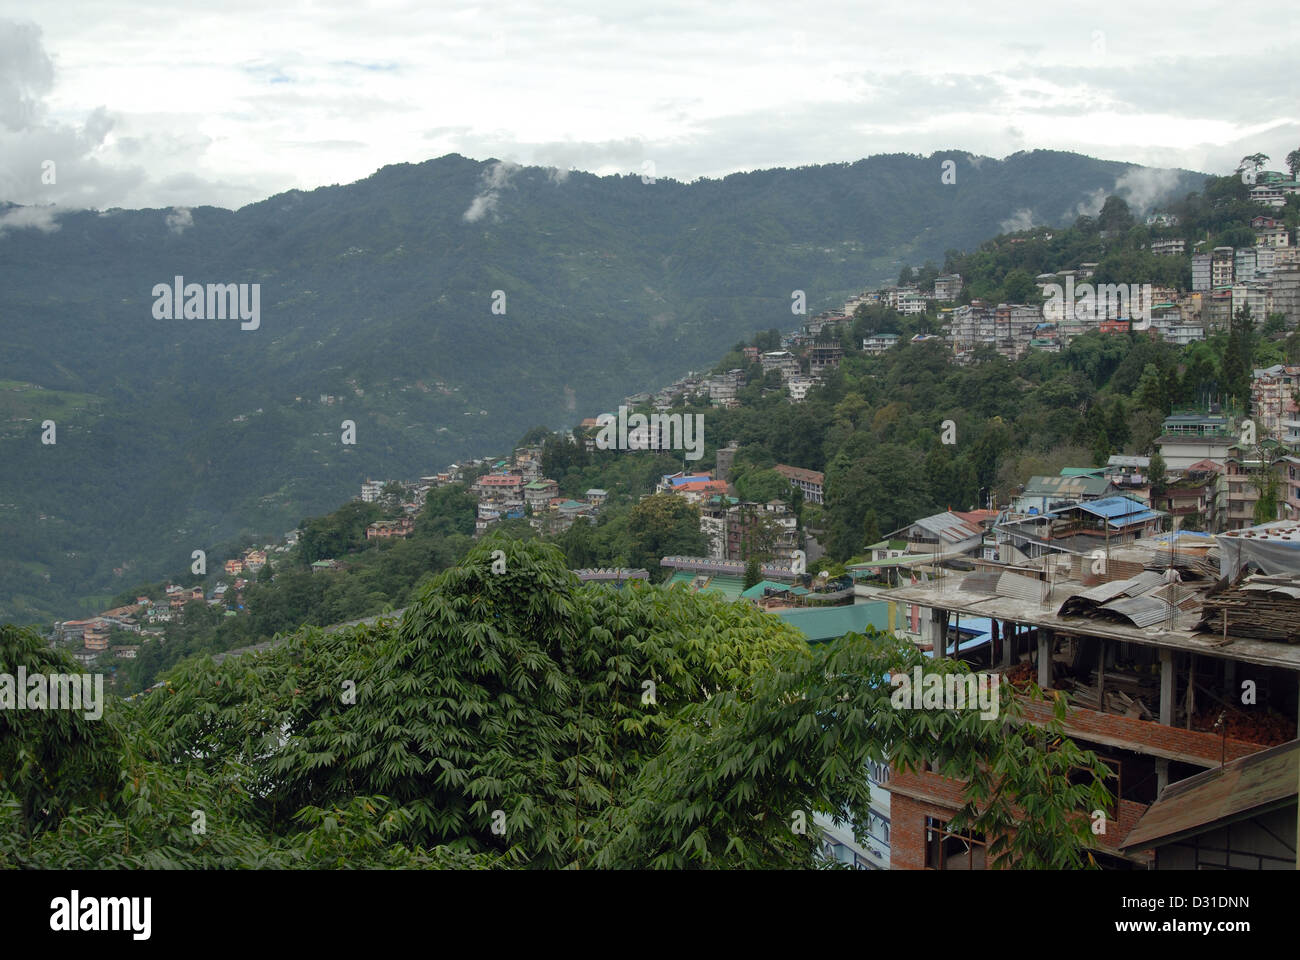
<point>226,102</point>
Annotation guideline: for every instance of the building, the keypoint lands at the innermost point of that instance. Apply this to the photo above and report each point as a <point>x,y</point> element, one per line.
<point>878,343</point>
<point>799,387</point>
<point>1168,248</point>
<point>1136,650</point>
<point>947,287</point>
<point>539,493</point>
<point>1238,816</point>
<point>781,360</point>
<point>809,482</point>
<point>1221,262</point>
<point>1272,398</point>
<point>385,529</point>
<point>823,358</point>
<point>498,484</point>
<point>1042,493</point>
<point>371,490</point>
<point>1201,271</point>
<point>1188,437</point>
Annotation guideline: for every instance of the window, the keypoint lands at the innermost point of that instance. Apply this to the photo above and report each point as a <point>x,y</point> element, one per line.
<point>946,850</point>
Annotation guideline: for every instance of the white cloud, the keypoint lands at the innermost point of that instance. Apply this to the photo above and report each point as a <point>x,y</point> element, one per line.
<point>30,218</point>
<point>1021,219</point>
<point>328,92</point>
<point>179,219</point>
<point>495,179</point>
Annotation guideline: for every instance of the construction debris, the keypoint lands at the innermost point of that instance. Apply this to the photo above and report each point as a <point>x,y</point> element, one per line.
<point>1258,607</point>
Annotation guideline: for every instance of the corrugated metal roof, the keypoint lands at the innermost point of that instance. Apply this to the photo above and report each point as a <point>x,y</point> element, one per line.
<point>949,526</point>
<point>981,582</point>
<point>1023,588</point>
<point>1129,519</point>
<point>1111,507</point>
<point>1258,782</point>
<point>1140,611</point>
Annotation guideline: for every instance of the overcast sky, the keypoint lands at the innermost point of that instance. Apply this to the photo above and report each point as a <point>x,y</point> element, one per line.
<point>153,104</point>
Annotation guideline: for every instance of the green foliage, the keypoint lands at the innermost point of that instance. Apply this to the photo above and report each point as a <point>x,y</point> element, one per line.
<point>511,719</point>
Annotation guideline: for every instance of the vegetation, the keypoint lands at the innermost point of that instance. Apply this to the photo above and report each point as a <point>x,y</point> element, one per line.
<point>515,719</point>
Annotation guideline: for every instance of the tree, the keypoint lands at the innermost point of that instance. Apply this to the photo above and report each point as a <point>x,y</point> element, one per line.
<point>515,718</point>
<point>1019,287</point>
<point>1293,163</point>
<point>1115,215</point>
<point>1158,474</point>
<point>753,573</point>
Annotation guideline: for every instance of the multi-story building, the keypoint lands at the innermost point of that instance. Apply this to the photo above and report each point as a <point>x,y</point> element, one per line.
<point>1201,271</point>
<point>809,482</point>
<point>783,360</point>
<point>1145,685</point>
<point>1191,436</point>
<point>1221,261</point>
<point>1272,398</point>
<point>371,490</point>
<point>948,286</point>
<point>1168,248</point>
<point>878,343</point>
<point>823,358</point>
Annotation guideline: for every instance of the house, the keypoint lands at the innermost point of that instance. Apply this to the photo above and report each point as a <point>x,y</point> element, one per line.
<point>596,496</point>
<point>878,343</point>
<point>782,360</point>
<point>808,482</point>
<point>1042,494</point>
<point>1168,248</point>
<point>946,534</point>
<point>1187,437</point>
<point>234,567</point>
<point>947,287</point>
<point>538,493</point>
<point>498,483</point>
<point>1077,528</point>
<point>384,529</point>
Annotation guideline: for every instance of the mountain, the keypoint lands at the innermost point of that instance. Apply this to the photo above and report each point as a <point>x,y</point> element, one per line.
<point>174,435</point>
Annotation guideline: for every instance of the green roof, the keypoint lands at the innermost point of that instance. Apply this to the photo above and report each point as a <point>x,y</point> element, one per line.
<point>888,545</point>
<point>756,591</point>
<point>540,485</point>
<point>819,624</point>
<point>730,587</point>
<point>1081,471</point>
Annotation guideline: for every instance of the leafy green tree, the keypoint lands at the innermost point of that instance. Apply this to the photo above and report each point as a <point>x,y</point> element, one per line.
<point>753,573</point>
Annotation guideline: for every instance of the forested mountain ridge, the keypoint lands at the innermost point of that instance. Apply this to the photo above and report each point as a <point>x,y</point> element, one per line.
<point>173,435</point>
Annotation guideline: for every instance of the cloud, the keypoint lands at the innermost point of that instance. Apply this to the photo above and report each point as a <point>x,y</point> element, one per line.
<point>179,219</point>
<point>1142,187</point>
<point>30,218</point>
<point>495,179</point>
<point>1022,219</point>
<point>1091,205</point>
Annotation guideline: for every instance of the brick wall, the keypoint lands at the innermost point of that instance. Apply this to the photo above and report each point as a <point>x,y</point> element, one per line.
<point>1143,736</point>
<point>920,794</point>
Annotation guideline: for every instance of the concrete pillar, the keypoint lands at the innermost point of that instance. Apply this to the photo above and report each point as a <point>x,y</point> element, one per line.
<point>938,632</point>
<point>1162,775</point>
<point>1008,644</point>
<point>1166,687</point>
<point>1045,644</point>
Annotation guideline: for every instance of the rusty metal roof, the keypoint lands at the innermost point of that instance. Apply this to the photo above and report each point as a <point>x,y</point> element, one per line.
<point>1252,784</point>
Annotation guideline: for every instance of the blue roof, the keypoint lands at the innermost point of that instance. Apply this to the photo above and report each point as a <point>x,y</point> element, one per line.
<point>1111,507</point>
<point>1140,517</point>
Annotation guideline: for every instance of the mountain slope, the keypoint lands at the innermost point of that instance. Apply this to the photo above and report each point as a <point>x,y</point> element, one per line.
<point>181,434</point>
